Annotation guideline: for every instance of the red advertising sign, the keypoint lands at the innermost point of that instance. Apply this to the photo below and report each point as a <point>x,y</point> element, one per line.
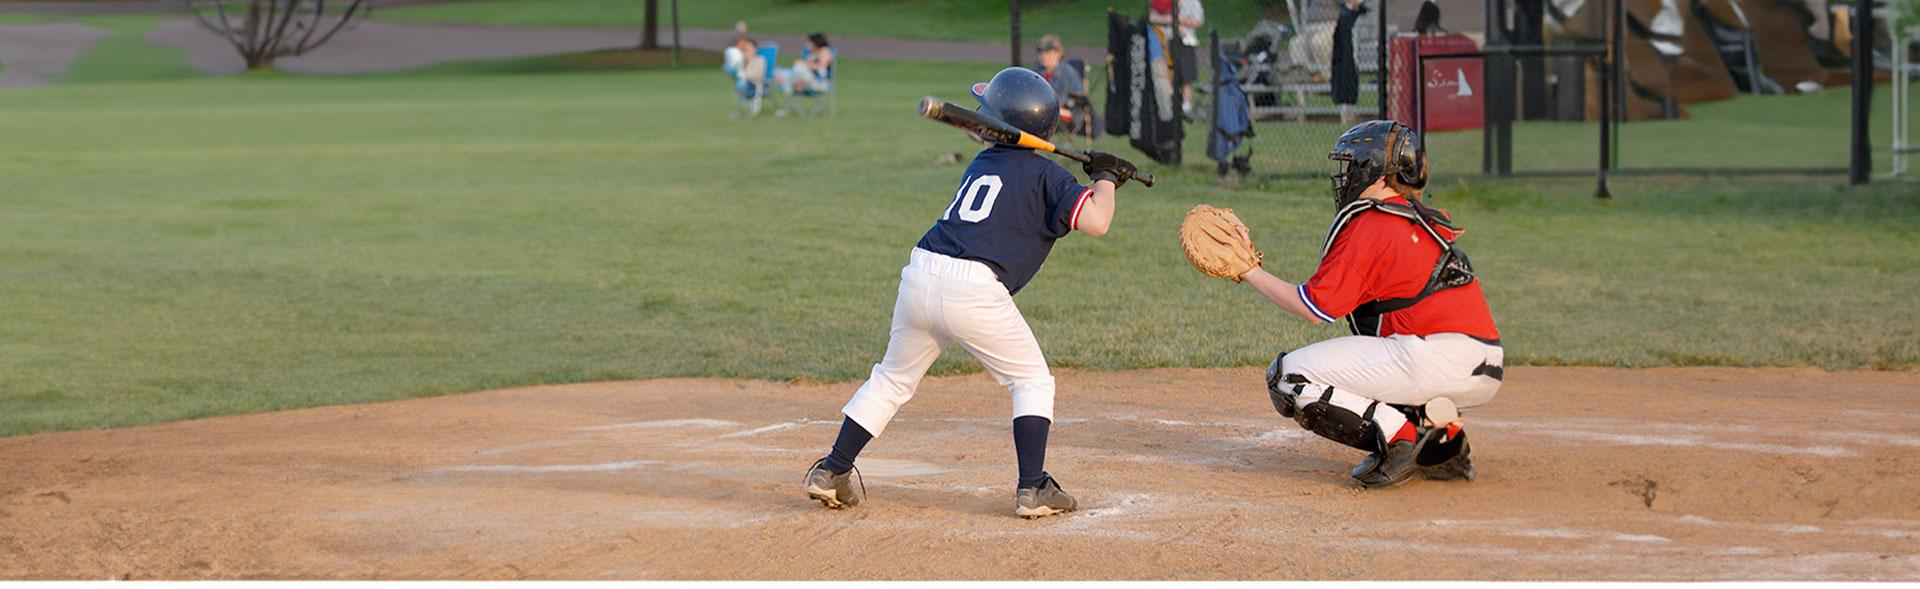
<point>1450,85</point>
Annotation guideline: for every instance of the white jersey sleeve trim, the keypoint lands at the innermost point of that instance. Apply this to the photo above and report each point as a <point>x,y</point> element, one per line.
<point>1312,307</point>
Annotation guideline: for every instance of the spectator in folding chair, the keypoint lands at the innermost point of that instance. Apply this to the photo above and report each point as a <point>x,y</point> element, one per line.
<point>811,75</point>
<point>751,66</point>
<point>1069,81</point>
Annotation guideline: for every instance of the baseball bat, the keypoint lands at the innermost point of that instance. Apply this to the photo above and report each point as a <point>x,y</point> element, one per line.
<point>999,131</point>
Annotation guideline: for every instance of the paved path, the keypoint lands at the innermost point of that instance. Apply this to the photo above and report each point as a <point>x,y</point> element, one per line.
<point>130,7</point>
<point>377,46</point>
<point>33,54</point>
<point>374,46</point>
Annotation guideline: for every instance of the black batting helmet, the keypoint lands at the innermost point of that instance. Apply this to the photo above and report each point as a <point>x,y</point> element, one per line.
<point>1374,150</point>
<point>1021,98</point>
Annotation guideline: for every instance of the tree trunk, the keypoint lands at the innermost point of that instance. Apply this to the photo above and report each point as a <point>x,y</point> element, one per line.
<point>650,32</point>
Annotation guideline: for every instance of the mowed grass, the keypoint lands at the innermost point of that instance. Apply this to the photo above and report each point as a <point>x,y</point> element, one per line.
<point>186,248</point>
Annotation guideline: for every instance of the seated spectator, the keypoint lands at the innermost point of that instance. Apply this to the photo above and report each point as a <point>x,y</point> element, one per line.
<point>748,68</point>
<point>813,71</point>
<point>1067,82</point>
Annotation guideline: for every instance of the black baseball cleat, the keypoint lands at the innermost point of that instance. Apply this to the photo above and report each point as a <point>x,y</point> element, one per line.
<point>832,490</point>
<point>1043,500</point>
<point>1366,465</point>
<point>1448,460</point>
<point>1394,467</point>
<point>1459,468</point>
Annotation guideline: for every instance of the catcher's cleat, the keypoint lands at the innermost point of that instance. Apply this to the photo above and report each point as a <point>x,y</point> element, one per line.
<point>1460,468</point>
<point>1367,465</point>
<point>1395,466</point>
<point>832,490</point>
<point>1044,500</point>
<point>1452,460</point>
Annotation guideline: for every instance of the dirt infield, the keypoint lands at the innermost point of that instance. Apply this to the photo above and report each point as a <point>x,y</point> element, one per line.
<point>1585,474</point>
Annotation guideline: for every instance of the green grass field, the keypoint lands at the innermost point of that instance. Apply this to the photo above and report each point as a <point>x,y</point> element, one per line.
<point>181,247</point>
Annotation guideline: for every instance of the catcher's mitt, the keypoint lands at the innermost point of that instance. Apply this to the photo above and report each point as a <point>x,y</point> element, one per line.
<point>1215,245</point>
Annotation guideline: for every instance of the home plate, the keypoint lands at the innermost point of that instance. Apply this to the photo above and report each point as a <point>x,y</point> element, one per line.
<point>878,467</point>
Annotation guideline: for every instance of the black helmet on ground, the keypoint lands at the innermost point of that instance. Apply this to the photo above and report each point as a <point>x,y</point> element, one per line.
<point>1020,97</point>
<point>1374,150</point>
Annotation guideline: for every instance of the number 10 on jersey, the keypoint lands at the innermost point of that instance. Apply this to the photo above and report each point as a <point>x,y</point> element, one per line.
<point>975,199</point>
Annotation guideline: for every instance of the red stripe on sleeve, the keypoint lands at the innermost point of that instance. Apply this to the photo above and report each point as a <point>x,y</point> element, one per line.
<point>1073,223</point>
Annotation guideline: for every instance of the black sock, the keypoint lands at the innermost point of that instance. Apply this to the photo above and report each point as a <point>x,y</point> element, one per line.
<point>852,439</point>
<point>1030,443</point>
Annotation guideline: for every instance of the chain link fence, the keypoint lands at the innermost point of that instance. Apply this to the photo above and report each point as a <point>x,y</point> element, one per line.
<point>1703,86</point>
<point>1281,57</point>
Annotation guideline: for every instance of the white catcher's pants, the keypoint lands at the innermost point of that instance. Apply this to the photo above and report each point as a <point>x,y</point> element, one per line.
<point>1399,369</point>
<point>943,301</point>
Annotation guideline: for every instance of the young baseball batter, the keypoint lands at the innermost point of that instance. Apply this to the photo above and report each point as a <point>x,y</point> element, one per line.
<point>1424,342</point>
<point>959,283</point>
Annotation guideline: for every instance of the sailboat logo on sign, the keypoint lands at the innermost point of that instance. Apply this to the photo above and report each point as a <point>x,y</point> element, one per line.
<point>1461,88</point>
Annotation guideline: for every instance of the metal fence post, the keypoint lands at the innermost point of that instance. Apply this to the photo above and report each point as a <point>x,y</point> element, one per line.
<point>1617,72</point>
<point>1380,64</point>
<point>1901,78</point>
<point>1014,7</point>
<point>1861,165</point>
<point>1606,123</point>
<point>1489,82</point>
<point>1175,43</point>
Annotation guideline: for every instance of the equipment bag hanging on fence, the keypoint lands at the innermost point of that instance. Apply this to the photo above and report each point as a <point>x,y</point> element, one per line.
<point>1133,102</point>
<point>1231,123</point>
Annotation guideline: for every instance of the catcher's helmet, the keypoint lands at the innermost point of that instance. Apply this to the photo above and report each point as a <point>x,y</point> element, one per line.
<point>1374,150</point>
<point>1021,98</point>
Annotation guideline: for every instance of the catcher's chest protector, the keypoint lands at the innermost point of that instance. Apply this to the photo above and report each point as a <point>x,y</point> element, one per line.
<point>1452,270</point>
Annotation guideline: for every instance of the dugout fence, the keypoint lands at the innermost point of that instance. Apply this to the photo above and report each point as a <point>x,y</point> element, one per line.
<point>1593,88</point>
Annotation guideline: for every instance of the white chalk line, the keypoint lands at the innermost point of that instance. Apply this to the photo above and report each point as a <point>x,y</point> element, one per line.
<point>888,468</point>
<point>1615,427</point>
<point>539,445</point>
<point>1692,441</point>
<point>551,468</point>
<point>1885,528</point>
<point>663,424</point>
<point>764,429</point>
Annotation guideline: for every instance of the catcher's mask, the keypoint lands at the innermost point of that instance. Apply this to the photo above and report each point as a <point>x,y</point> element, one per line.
<point>1374,150</point>
<point>1020,97</point>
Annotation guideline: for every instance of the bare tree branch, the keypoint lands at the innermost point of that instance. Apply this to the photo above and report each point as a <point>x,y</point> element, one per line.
<point>340,24</point>
<point>320,7</point>
<point>280,30</point>
<point>223,29</point>
<point>271,29</point>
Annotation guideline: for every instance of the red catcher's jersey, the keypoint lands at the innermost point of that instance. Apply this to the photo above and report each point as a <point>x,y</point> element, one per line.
<point>1382,256</point>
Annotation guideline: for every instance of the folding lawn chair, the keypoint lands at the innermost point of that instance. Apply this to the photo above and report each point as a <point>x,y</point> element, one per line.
<point>750,94</point>
<point>1081,105</point>
<point>822,98</point>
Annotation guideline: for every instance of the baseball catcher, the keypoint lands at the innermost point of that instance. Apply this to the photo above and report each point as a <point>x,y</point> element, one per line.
<point>958,287</point>
<point>1423,344</point>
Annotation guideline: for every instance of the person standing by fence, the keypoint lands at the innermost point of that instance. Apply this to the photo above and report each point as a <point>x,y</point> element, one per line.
<point>1345,70</point>
<point>1184,50</point>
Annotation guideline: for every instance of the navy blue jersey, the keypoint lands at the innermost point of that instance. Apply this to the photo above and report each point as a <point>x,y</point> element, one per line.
<point>1010,206</point>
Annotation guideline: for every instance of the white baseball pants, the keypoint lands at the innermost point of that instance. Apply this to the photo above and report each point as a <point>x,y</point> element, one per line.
<point>943,301</point>
<point>1399,370</point>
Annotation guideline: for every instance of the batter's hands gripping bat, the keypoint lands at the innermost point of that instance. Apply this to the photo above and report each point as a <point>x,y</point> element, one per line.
<point>1000,132</point>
